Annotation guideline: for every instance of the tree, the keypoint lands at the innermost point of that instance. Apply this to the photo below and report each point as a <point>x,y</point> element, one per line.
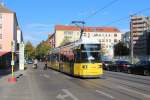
<point>29,50</point>
<point>121,49</point>
<point>42,49</point>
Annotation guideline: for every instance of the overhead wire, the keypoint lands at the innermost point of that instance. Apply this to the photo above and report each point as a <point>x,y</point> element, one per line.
<point>126,17</point>
<point>101,9</point>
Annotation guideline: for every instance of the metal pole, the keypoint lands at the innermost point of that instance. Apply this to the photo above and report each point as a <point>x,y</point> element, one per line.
<point>131,41</point>
<point>12,68</point>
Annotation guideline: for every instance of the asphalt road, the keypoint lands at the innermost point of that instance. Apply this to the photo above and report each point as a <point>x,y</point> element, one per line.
<point>53,85</point>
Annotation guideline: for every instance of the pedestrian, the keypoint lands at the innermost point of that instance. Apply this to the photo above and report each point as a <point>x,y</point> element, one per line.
<point>35,64</point>
<point>45,67</point>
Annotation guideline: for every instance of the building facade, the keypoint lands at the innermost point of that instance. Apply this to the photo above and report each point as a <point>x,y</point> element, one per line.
<point>126,39</point>
<point>8,32</point>
<point>107,36</point>
<point>51,40</point>
<point>139,28</point>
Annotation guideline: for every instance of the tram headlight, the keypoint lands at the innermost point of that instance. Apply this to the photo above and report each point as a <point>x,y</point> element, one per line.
<point>84,66</point>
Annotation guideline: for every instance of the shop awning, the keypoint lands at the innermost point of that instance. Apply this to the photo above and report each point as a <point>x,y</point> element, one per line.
<point>2,53</point>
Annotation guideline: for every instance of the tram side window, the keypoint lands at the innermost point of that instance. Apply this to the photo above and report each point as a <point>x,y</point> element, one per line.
<point>78,57</point>
<point>61,57</point>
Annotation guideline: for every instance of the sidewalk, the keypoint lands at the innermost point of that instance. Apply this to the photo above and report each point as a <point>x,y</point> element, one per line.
<point>15,91</point>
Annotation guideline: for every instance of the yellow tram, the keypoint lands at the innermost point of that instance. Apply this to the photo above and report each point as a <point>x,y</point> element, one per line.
<point>80,58</point>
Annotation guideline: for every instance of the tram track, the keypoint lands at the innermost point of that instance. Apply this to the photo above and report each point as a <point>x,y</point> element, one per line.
<point>129,78</point>
<point>110,90</point>
<point>147,78</point>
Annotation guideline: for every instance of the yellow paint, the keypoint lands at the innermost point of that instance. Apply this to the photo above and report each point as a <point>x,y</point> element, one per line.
<point>12,68</point>
<point>90,70</point>
<point>66,68</point>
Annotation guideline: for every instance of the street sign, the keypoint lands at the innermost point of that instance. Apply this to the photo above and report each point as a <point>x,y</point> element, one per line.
<point>12,63</point>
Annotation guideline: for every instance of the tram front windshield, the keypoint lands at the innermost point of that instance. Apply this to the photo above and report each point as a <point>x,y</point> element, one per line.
<point>90,53</point>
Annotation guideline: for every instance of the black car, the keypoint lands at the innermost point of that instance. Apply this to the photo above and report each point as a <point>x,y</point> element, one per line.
<point>142,68</point>
<point>120,66</point>
<point>107,64</point>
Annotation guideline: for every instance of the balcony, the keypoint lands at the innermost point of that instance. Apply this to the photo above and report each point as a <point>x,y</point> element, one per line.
<point>139,25</point>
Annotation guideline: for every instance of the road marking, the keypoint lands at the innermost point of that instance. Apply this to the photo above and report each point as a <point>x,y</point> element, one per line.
<point>66,95</point>
<point>133,91</point>
<point>105,94</point>
<point>55,72</point>
<point>46,76</point>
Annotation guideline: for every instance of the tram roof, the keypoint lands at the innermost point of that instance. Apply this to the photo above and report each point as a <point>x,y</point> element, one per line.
<point>77,43</point>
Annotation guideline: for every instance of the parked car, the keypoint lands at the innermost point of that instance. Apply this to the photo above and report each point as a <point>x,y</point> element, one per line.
<point>107,64</point>
<point>142,68</point>
<point>120,66</point>
<point>29,61</point>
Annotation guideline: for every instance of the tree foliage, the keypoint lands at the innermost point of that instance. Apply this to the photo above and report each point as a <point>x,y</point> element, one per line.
<point>42,49</point>
<point>29,50</point>
<point>121,49</point>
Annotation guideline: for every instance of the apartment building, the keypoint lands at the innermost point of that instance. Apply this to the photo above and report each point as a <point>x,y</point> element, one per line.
<point>140,26</point>
<point>126,39</point>
<point>107,36</point>
<point>51,40</point>
<point>9,31</point>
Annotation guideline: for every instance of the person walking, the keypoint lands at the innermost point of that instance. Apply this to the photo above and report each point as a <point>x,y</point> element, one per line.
<point>35,64</point>
<point>45,67</point>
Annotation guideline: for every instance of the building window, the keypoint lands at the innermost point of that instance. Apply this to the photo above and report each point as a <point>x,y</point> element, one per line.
<point>0,36</point>
<point>68,33</point>
<point>106,40</point>
<point>0,26</point>
<point>0,46</point>
<point>1,33</point>
<point>115,35</point>
<point>99,40</point>
<point>109,40</point>
<point>84,34</point>
<point>103,40</point>
<point>115,40</point>
<point>0,18</point>
<point>95,34</point>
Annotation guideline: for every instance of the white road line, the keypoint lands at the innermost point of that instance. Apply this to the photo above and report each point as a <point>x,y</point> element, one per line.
<point>66,95</point>
<point>46,76</point>
<point>105,94</point>
<point>55,72</point>
<point>133,91</point>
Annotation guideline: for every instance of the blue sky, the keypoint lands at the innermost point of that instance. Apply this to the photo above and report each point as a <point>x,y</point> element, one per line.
<point>37,18</point>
